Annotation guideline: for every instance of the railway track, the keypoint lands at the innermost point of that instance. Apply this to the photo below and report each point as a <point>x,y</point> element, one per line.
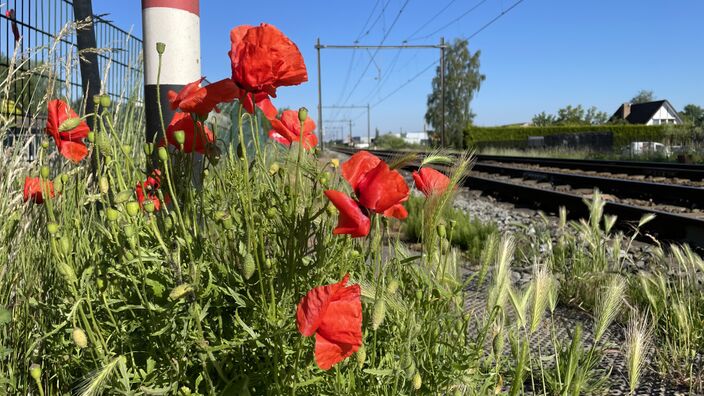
<point>548,184</point>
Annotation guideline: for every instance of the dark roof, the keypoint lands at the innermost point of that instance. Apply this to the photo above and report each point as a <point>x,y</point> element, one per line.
<point>641,113</point>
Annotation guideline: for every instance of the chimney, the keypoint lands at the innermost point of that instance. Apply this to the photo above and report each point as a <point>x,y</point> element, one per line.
<point>626,110</point>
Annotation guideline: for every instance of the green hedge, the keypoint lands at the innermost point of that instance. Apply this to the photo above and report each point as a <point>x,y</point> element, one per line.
<point>623,134</point>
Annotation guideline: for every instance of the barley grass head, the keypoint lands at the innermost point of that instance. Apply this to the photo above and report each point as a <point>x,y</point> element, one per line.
<point>638,341</point>
<point>608,305</point>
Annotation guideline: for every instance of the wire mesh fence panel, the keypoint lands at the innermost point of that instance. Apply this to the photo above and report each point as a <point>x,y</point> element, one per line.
<point>39,61</point>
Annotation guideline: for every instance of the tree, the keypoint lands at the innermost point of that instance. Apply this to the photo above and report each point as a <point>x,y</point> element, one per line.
<point>572,115</point>
<point>693,114</point>
<point>390,142</point>
<point>462,80</point>
<point>543,119</point>
<point>595,117</point>
<point>643,96</point>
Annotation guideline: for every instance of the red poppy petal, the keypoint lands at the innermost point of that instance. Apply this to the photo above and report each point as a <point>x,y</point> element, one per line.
<point>279,138</point>
<point>351,220</point>
<point>420,183</point>
<point>73,151</point>
<point>328,354</point>
<point>357,166</point>
<point>311,309</point>
<point>342,321</point>
<point>431,181</point>
<point>397,211</point>
<point>382,188</point>
<point>267,108</point>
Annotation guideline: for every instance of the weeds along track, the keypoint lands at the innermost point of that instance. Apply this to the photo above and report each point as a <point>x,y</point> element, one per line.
<point>548,184</point>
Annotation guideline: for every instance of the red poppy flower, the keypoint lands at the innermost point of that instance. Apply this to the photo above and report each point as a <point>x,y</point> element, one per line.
<point>354,169</point>
<point>263,59</point>
<point>33,189</point>
<point>195,140</point>
<point>381,188</point>
<point>147,190</point>
<point>352,220</point>
<point>334,314</point>
<point>288,130</point>
<point>68,138</point>
<point>431,182</point>
<point>202,100</point>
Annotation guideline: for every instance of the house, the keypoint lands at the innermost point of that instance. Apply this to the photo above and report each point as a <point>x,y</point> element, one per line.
<point>414,137</point>
<point>659,112</point>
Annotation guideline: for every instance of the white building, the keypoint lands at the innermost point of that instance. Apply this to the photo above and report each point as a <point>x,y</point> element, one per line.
<point>414,137</point>
<point>659,112</point>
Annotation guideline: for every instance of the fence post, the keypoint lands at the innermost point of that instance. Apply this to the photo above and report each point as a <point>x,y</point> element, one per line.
<point>85,39</point>
<point>175,23</point>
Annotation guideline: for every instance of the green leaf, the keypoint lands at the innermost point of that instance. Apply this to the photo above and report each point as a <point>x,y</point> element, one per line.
<point>5,316</point>
<point>379,372</point>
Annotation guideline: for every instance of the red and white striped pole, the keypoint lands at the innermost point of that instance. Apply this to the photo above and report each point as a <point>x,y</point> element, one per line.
<point>175,23</point>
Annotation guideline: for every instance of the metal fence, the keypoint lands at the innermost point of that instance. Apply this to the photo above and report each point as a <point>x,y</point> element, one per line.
<point>35,42</point>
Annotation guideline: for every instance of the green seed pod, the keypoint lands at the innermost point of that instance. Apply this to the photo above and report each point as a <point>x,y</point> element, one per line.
<point>419,295</point>
<point>392,287</point>
<point>105,101</point>
<point>67,272</point>
<point>180,136</point>
<point>123,196</point>
<point>69,124</point>
<point>228,223</point>
<point>111,214</point>
<point>45,144</point>
<point>127,149</point>
<point>168,223</point>
<point>128,255</point>
<point>361,356</point>
<point>132,208</point>
<point>331,209</point>
<point>442,232</point>
<point>65,244</point>
<point>354,254</point>
<point>417,381</point>
<point>219,215</point>
<point>100,283</point>
<point>180,291</point>
<point>64,178</point>
<point>379,313</point>
<point>271,213</point>
<point>267,263</point>
<point>163,154</point>
<point>149,206</point>
<point>445,245</point>
<point>44,172</point>
<point>248,266</point>
<point>274,168</point>
<point>160,48</point>
<point>35,371</point>
<point>79,337</point>
<point>103,143</point>
<point>91,137</point>
<point>129,231</point>
<point>148,149</point>
<point>96,100</point>
<point>302,114</point>
<point>104,185</point>
<point>52,227</point>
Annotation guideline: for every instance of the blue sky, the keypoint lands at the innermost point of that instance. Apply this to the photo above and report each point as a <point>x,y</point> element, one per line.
<point>540,56</point>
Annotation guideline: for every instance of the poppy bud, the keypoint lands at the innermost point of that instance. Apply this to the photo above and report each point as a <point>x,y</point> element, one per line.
<point>128,255</point>
<point>354,254</point>
<point>65,245</point>
<point>52,227</point>
<point>148,206</point>
<point>267,263</point>
<point>103,143</point>
<point>214,154</point>
<point>105,100</point>
<point>96,99</point>
<point>129,231</point>
<point>64,178</point>
<point>91,137</point>
<point>148,149</point>
<point>180,291</point>
<point>219,215</point>
<point>123,196</point>
<point>228,223</point>
<point>111,214</point>
<point>442,231</point>
<point>132,208</point>
<point>335,163</point>
<point>419,295</point>
<point>392,287</point>
<point>361,356</point>
<point>185,391</point>
<point>168,223</point>
<point>302,114</point>
<point>408,366</point>
<point>45,144</point>
<point>248,266</point>
<point>331,209</point>
<point>445,245</point>
<point>180,136</point>
<point>274,168</point>
<point>104,185</point>
<point>79,337</point>
<point>35,371</point>
<point>127,149</point>
<point>417,381</point>
<point>163,154</point>
<point>67,272</point>
<point>160,48</point>
<point>378,313</point>
<point>69,124</point>
<point>44,172</point>
<point>58,185</point>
